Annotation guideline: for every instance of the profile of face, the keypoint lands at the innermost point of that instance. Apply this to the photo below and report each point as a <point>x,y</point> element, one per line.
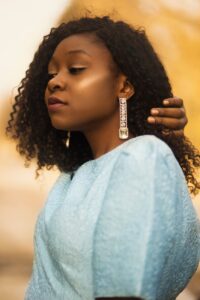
<point>83,89</point>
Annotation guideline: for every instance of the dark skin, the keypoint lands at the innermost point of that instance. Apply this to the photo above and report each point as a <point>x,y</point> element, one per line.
<point>89,92</point>
<point>90,96</point>
<point>172,116</point>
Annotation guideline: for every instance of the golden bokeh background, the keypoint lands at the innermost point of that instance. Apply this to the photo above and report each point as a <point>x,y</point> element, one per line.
<point>174,29</point>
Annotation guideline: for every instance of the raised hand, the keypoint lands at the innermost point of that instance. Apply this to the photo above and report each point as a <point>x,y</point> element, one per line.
<point>172,116</point>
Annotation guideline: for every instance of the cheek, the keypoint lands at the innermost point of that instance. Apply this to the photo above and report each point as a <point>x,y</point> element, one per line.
<point>91,99</point>
<point>96,93</point>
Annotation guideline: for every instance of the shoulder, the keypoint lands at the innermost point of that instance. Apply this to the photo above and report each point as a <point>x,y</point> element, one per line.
<point>147,145</point>
<point>148,154</point>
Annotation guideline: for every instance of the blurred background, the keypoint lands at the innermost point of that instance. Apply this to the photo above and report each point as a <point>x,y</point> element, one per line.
<point>174,29</point>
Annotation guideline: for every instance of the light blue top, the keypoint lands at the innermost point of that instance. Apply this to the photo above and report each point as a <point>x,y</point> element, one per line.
<point>123,226</point>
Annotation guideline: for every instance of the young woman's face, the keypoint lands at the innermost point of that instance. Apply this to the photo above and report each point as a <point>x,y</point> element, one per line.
<point>83,82</point>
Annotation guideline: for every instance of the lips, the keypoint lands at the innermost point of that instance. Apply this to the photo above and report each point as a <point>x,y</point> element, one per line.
<point>55,104</point>
<point>54,100</point>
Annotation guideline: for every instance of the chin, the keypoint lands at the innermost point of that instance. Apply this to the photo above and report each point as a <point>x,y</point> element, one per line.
<point>58,125</point>
<point>63,124</point>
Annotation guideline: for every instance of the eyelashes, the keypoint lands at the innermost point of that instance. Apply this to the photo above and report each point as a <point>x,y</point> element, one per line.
<point>76,70</point>
<point>50,76</point>
<point>72,71</point>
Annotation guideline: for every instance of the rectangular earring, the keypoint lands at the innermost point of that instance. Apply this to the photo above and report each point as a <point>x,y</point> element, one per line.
<point>123,130</point>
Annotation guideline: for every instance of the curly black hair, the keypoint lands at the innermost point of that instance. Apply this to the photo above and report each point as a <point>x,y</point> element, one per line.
<point>134,56</point>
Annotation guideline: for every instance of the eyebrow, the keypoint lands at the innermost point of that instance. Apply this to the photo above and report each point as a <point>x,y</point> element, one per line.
<point>73,52</point>
<point>78,51</point>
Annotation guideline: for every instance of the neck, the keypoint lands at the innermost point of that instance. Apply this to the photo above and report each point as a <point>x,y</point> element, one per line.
<point>104,137</point>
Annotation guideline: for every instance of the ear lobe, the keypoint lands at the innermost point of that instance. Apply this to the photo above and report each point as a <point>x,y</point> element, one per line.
<point>128,90</point>
<point>125,88</point>
<point>131,90</point>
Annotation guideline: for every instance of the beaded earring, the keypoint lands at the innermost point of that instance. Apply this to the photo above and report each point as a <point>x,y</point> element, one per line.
<point>123,130</point>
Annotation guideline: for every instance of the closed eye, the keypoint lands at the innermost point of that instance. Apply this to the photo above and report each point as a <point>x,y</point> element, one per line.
<point>75,71</point>
<point>50,76</point>
<point>72,70</point>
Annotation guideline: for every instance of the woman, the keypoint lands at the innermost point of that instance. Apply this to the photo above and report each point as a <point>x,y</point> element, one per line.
<point>119,222</point>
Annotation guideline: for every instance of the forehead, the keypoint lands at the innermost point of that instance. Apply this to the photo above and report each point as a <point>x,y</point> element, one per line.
<point>82,44</point>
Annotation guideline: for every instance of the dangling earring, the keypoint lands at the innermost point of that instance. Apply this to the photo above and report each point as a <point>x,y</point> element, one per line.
<point>123,130</point>
<point>68,139</point>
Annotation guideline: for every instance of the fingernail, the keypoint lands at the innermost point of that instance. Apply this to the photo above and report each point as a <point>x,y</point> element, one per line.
<point>151,120</point>
<point>154,111</point>
<point>165,102</point>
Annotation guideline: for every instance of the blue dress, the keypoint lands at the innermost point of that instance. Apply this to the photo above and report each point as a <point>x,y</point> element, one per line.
<point>123,226</point>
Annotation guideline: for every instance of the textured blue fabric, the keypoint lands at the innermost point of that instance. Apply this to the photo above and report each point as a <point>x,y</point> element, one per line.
<point>123,226</point>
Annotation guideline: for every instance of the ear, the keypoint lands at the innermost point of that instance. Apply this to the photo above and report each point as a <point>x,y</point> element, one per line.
<point>126,89</point>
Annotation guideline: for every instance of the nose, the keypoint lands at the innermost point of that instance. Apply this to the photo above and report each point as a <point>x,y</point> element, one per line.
<point>56,83</point>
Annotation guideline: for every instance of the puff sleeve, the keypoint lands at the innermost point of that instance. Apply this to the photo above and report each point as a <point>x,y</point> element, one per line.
<point>147,238</point>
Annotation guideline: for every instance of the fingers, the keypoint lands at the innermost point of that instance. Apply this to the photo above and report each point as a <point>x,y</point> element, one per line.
<point>173,102</point>
<point>171,116</point>
<point>171,123</point>
<point>168,112</point>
